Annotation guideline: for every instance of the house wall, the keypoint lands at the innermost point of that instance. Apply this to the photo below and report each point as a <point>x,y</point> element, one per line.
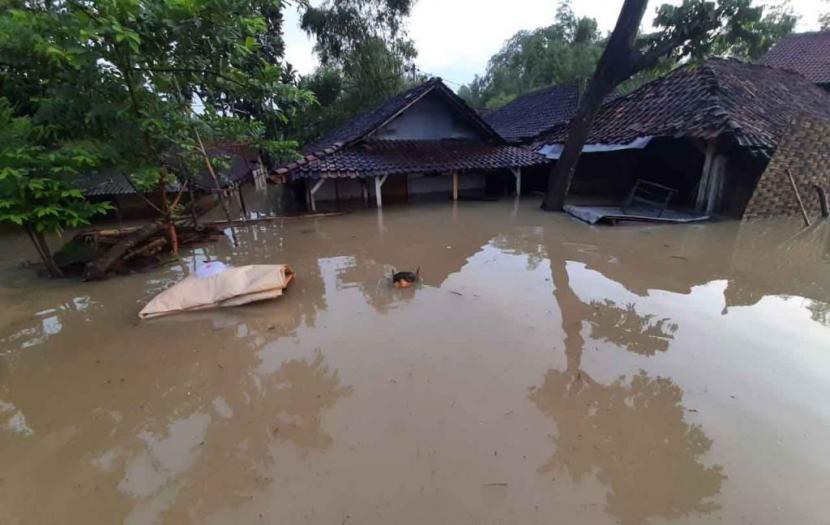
<point>804,151</point>
<point>417,184</point>
<point>428,119</point>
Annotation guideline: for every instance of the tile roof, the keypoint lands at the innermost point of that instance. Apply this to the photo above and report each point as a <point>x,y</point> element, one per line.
<point>751,103</point>
<point>535,113</point>
<point>804,53</point>
<point>112,183</point>
<point>363,125</point>
<point>389,157</point>
<point>109,183</point>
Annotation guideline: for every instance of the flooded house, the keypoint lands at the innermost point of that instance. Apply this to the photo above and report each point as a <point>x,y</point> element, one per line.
<point>807,54</point>
<point>704,134</point>
<point>130,202</point>
<point>522,121</point>
<point>425,140</point>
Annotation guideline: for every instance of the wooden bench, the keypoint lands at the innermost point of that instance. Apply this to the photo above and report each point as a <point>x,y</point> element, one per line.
<point>649,195</point>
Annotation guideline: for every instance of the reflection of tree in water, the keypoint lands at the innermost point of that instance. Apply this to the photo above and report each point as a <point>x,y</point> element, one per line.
<point>631,433</point>
<point>623,326</point>
<point>286,406</point>
<point>199,438</point>
<point>819,312</point>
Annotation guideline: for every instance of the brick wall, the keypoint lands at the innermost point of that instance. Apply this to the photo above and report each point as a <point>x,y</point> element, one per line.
<point>805,151</point>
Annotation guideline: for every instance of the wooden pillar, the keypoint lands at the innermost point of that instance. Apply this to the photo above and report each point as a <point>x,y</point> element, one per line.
<point>517,172</point>
<point>311,193</point>
<point>455,186</point>
<point>378,185</point>
<point>242,202</point>
<point>705,176</point>
<point>717,177</point>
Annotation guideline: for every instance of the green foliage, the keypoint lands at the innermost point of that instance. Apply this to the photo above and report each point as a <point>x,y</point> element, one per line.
<point>365,57</point>
<point>724,28</point>
<point>35,190</point>
<point>565,52</point>
<point>568,50</point>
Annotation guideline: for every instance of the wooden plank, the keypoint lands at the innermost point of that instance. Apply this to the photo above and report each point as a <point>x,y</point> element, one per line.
<point>703,187</point>
<point>798,198</point>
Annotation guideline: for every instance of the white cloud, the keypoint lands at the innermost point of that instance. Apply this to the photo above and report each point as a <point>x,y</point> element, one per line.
<point>455,38</point>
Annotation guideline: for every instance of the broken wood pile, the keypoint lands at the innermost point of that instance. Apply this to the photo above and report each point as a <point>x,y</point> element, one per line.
<point>96,254</point>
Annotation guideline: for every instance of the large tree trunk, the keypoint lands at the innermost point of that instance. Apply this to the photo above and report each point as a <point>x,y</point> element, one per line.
<point>99,268</point>
<point>618,62</point>
<point>42,247</point>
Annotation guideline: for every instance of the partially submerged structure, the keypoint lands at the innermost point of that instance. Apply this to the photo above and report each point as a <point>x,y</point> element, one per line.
<point>425,140</point>
<point>807,54</point>
<point>707,131</point>
<point>530,115</point>
<point>129,201</point>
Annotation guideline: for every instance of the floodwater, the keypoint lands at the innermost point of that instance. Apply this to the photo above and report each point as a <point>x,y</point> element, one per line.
<point>545,371</point>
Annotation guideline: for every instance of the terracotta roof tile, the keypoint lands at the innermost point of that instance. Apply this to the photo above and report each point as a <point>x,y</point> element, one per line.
<point>807,54</point>
<point>751,103</point>
<point>387,157</point>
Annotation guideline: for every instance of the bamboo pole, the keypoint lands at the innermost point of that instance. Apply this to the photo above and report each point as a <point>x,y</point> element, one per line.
<point>798,198</point>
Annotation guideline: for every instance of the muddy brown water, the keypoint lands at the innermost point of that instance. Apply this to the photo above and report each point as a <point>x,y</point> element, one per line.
<point>544,371</point>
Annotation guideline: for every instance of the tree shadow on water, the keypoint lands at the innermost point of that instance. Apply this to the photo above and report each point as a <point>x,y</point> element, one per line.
<point>632,433</point>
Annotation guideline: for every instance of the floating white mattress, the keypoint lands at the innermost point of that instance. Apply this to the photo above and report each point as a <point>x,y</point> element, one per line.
<point>233,286</point>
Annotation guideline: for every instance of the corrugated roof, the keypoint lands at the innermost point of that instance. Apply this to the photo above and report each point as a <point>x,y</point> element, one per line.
<point>806,53</point>
<point>389,157</point>
<point>751,103</point>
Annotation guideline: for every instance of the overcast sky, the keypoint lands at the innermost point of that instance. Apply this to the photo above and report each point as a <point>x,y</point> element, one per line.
<point>455,38</point>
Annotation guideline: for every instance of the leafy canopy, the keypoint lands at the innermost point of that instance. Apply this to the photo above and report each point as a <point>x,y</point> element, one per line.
<point>365,56</point>
<point>564,52</point>
<point>568,50</point>
<point>33,190</point>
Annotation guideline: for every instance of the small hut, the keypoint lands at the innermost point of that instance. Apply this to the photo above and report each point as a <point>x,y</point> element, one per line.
<point>425,140</point>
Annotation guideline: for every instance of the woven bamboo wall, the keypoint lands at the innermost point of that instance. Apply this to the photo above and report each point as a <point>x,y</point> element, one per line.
<point>805,151</point>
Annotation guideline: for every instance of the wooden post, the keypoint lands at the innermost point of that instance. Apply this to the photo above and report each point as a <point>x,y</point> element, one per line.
<point>703,187</point>
<point>312,191</point>
<point>716,181</point>
<point>242,202</point>
<point>378,185</point>
<point>517,172</point>
<point>455,186</point>
<point>798,198</point>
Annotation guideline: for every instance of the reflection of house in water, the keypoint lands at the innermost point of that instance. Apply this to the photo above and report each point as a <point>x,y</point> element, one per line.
<point>202,437</point>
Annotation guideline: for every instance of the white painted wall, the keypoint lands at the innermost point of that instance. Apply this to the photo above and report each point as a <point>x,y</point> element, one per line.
<point>431,118</point>
<point>349,189</point>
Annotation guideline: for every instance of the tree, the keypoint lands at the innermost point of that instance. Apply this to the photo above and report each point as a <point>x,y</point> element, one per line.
<point>824,19</point>
<point>694,29</point>
<point>564,52</point>
<point>128,73</point>
<point>34,193</point>
<point>365,57</point>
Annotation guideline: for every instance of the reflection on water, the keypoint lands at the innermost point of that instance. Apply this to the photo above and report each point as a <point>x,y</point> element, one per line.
<point>347,397</point>
<point>632,435</point>
<point>624,327</point>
